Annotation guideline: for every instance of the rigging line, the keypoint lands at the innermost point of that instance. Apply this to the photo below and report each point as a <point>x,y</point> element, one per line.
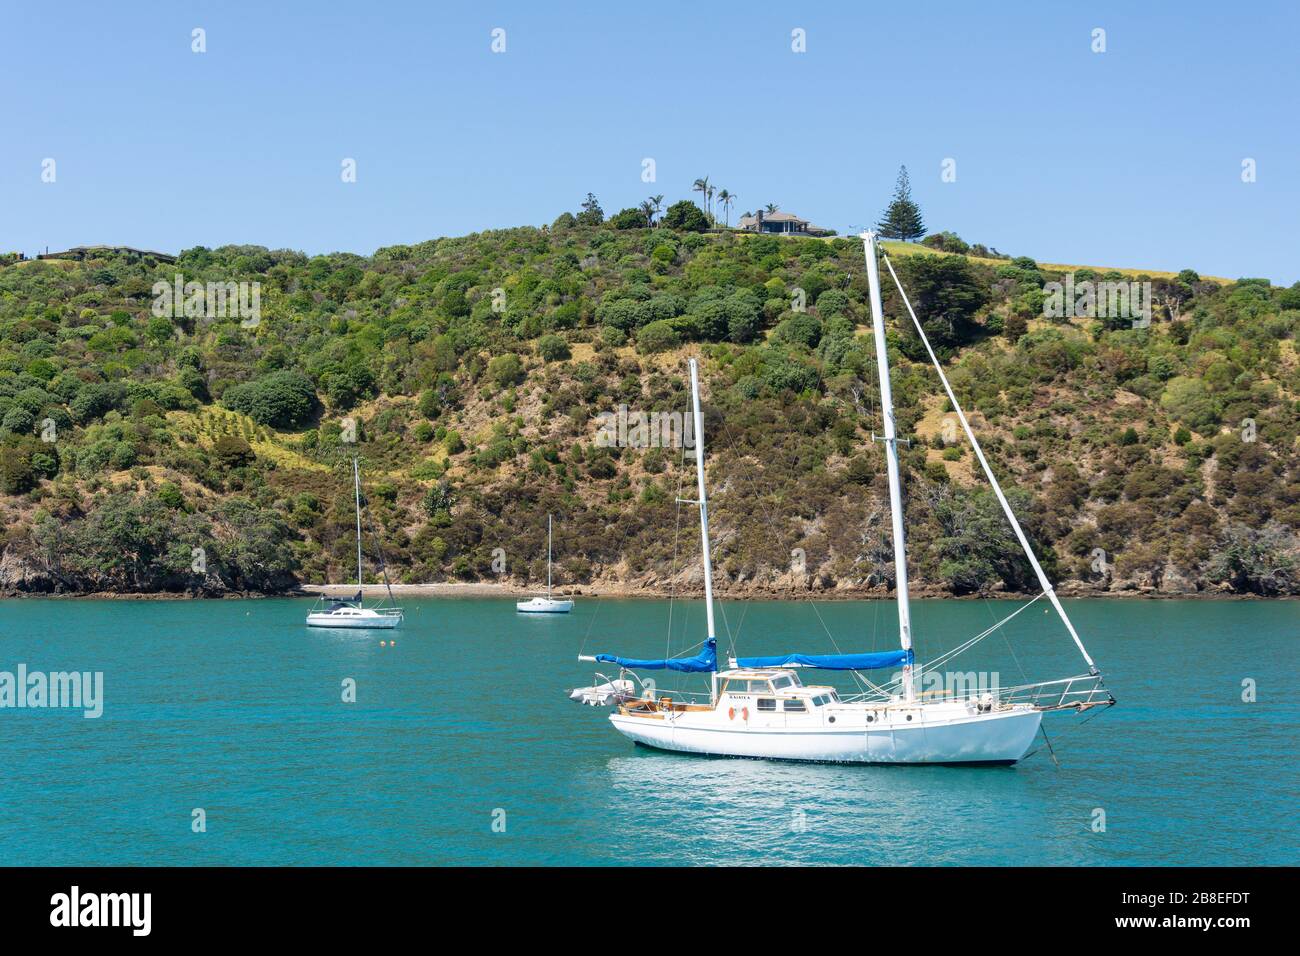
<point>1006,640</point>
<point>771,522</point>
<point>856,677</point>
<point>988,471</point>
<point>590,624</point>
<point>677,530</point>
<point>944,658</point>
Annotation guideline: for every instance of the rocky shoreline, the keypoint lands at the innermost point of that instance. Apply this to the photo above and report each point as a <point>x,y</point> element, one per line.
<point>481,589</point>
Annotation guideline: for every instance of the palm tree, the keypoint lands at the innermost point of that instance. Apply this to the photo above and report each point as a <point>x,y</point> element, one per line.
<point>772,207</point>
<point>658,202</point>
<point>648,210</point>
<point>708,195</point>
<point>727,199</point>
<point>701,186</point>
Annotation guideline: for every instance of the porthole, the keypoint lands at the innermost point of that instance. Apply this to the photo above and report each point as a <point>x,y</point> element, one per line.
<point>831,719</point>
<point>870,718</point>
<point>909,716</point>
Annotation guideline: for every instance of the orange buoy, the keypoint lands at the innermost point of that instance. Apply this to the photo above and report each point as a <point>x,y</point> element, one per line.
<point>744,712</point>
<point>731,713</point>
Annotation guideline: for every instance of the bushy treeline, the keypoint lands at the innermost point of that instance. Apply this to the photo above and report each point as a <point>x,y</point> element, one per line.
<point>468,372</point>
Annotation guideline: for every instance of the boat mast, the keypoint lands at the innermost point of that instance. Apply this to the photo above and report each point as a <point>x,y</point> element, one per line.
<point>703,503</point>
<point>891,457</point>
<point>548,557</point>
<point>356,479</point>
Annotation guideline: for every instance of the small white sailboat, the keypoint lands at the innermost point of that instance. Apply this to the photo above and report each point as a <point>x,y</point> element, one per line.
<point>761,708</point>
<point>548,604</point>
<point>352,612</point>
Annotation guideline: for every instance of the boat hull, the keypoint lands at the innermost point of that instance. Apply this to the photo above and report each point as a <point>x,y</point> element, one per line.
<point>381,622</point>
<point>992,738</point>
<point>543,606</point>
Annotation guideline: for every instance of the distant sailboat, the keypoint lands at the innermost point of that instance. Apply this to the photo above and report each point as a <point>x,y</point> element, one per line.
<point>548,604</point>
<point>760,707</point>
<point>352,612</point>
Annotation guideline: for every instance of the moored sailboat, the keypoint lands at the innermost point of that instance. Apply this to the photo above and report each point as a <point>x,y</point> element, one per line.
<point>759,706</point>
<point>351,612</point>
<point>547,604</point>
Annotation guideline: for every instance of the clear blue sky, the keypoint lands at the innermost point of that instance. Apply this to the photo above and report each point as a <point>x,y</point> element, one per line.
<point>1129,157</point>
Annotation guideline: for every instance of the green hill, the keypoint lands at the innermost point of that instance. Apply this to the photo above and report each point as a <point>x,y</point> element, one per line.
<point>207,452</point>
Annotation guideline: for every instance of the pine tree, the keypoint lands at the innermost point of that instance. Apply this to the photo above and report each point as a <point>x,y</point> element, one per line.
<point>902,218</point>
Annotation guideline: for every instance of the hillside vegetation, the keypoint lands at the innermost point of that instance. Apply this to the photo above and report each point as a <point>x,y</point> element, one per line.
<point>204,454</point>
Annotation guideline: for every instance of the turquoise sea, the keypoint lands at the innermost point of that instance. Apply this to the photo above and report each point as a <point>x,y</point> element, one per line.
<point>462,747</point>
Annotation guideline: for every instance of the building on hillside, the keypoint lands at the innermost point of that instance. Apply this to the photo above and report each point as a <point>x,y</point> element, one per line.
<point>781,223</point>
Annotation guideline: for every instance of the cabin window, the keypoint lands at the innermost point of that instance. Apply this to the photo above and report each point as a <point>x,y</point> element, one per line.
<point>781,683</point>
<point>794,707</point>
<point>766,703</point>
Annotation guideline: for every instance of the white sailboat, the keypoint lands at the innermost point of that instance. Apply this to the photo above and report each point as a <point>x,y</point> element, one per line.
<point>760,707</point>
<point>548,604</point>
<point>352,612</point>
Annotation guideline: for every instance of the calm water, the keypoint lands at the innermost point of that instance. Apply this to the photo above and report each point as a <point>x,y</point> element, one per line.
<point>236,707</point>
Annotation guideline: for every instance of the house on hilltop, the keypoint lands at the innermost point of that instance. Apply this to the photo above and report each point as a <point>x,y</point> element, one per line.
<point>781,223</point>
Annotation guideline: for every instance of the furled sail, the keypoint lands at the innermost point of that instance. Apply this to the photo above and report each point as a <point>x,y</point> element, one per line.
<point>832,662</point>
<point>706,660</point>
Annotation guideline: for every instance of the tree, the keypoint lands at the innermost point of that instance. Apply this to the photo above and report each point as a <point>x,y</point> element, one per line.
<point>630,218</point>
<point>506,370</point>
<point>701,186</point>
<point>658,336</point>
<point>727,199</point>
<point>902,218</point>
<point>552,348</point>
<point>685,216</point>
<point>946,293</point>
<point>592,214</point>
<point>650,208</point>
<point>1256,561</point>
<point>232,451</point>
<point>772,207</point>
<point>282,399</point>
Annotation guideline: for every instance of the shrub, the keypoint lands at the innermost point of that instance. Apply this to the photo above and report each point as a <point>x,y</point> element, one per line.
<point>553,348</point>
<point>232,451</point>
<point>506,370</point>
<point>657,337</point>
<point>685,216</point>
<point>283,399</point>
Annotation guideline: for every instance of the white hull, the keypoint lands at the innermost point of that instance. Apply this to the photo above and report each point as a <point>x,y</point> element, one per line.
<point>361,620</point>
<point>544,606</point>
<point>947,734</point>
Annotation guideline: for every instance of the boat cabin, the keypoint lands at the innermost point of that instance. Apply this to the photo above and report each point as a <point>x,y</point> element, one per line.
<point>772,691</point>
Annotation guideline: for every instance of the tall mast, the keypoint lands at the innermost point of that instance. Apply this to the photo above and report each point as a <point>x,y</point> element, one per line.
<point>704,509</point>
<point>356,480</point>
<point>548,557</point>
<point>891,457</point>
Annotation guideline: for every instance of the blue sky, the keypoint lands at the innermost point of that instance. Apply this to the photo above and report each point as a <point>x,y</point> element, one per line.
<point>1131,157</point>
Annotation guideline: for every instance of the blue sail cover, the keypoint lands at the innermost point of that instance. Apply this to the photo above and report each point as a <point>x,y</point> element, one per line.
<point>832,662</point>
<point>706,660</point>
